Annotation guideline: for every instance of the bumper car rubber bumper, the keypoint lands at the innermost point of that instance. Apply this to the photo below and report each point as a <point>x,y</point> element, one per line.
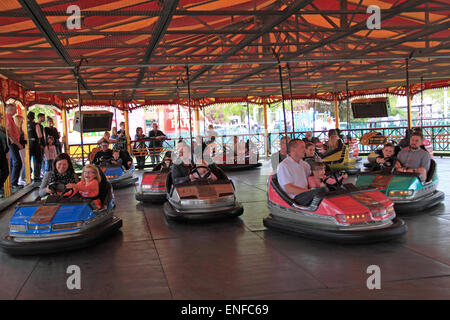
<point>156,198</point>
<point>191,216</point>
<point>122,183</point>
<point>420,204</point>
<point>397,229</point>
<point>74,242</point>
<point>237,167</point>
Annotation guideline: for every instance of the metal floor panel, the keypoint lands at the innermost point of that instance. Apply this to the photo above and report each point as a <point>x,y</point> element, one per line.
<point>152,258</point>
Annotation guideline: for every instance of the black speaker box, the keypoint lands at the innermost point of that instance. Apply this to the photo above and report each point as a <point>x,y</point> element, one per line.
<point>370,108</point>
<point>93,121</point>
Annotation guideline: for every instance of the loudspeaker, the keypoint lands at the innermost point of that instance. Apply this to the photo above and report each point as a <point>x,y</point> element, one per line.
<point>93,121</point>
<point>370,108</point>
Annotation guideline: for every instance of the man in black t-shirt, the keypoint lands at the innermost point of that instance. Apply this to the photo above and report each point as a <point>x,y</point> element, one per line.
<point>155,145</point>
<point>103,155</point>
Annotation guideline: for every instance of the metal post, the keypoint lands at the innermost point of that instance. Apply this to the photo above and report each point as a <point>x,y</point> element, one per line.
<point>336,111</point>
<point>127,129</point>
<point>190,116</point>
<point>408,95</point>
<point>292,102</point>
<point>282,96</point>
<point>348,108</point>
<point>65,131</point>
<point>81,116</point>
<point>266,134</point>
<point>421,102</point>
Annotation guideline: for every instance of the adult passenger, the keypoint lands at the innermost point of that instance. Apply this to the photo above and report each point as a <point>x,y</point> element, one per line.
<point>121,138</point>
<point>105,154</point>
<point>293,174</point>
<point>279,156</point>
<point>310,138</point>
<point>414,158</point>
<point>14,145</point>
<point>62,174</point>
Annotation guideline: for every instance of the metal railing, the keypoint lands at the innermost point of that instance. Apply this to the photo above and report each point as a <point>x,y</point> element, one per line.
<point>438,135</point>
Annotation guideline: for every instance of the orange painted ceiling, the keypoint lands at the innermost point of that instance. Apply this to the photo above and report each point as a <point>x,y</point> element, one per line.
<point>141,50</point>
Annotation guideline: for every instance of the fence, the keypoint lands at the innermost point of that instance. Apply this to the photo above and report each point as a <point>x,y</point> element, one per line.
<point>438,135</point>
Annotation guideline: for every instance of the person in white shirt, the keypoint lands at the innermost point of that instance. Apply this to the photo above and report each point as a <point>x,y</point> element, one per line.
<point>293,172</point>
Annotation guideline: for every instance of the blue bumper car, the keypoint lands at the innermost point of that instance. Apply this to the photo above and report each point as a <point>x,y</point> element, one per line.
<point>59,223</point>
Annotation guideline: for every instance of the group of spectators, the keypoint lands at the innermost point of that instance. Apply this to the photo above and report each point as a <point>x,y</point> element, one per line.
<point>43,145</point>
<point>143,145</point>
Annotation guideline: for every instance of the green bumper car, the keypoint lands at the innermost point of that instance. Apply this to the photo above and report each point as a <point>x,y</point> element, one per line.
<point>406,190</point>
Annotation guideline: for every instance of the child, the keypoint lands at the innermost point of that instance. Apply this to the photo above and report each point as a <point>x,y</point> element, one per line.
<point>387,159</point>
<point>116,160</point>
<point>317,180</point>
<point>49,153</point>
<point>167,160</point>
<point>310,153</point>
<point>88,187</point>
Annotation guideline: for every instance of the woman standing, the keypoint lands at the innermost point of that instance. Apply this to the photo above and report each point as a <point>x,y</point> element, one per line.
<point>19,123</point>
<point>51,131</point>
<point>140,148</point>
<point>34,146</point>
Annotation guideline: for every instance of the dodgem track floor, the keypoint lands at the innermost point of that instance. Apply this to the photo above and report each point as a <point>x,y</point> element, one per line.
<point>152,258</point>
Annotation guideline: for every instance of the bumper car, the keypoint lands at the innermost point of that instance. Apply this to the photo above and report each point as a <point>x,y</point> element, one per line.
<point>373,139</point>
<point>405,189</point>
<point>59,223</point>
<point>347,215</point>
<point>236,163</point>
<point>202,200</point>
<point>152,187</point>
<point>342,160</point>
<point>118,176</point>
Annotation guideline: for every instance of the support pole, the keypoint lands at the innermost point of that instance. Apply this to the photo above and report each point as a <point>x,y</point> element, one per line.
<point>348,107</point>
<point>408,110</point>
<point>197,121</point>
<point>421,102</point>
<point>282,97</point>
<point>65,131</point>
<point>79,110</point>
<point>292,102</point>
<point>127,129</point>
<point>336,111</point>
<point>190,114</point>
<point>248,118</point>
<point>266,133</point>
<point>179,114</point>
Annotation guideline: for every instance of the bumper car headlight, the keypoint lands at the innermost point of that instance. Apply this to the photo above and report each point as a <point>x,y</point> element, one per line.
<point>112,176</point>
<point>146,187</point>
<point>17,228</point>
<point>38,227</point>
<point>401,193</point>
<point>67,225</point>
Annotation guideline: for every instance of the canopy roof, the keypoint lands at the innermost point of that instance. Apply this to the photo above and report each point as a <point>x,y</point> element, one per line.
<point>138,50</point>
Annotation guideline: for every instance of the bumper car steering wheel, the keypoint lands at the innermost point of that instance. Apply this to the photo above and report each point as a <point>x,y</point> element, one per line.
<point>206,176</point>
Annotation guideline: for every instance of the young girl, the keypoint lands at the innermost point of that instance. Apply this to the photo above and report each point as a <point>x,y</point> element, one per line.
<point>88,187</point>
<point>317,180</point>
<point>49,153</point>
